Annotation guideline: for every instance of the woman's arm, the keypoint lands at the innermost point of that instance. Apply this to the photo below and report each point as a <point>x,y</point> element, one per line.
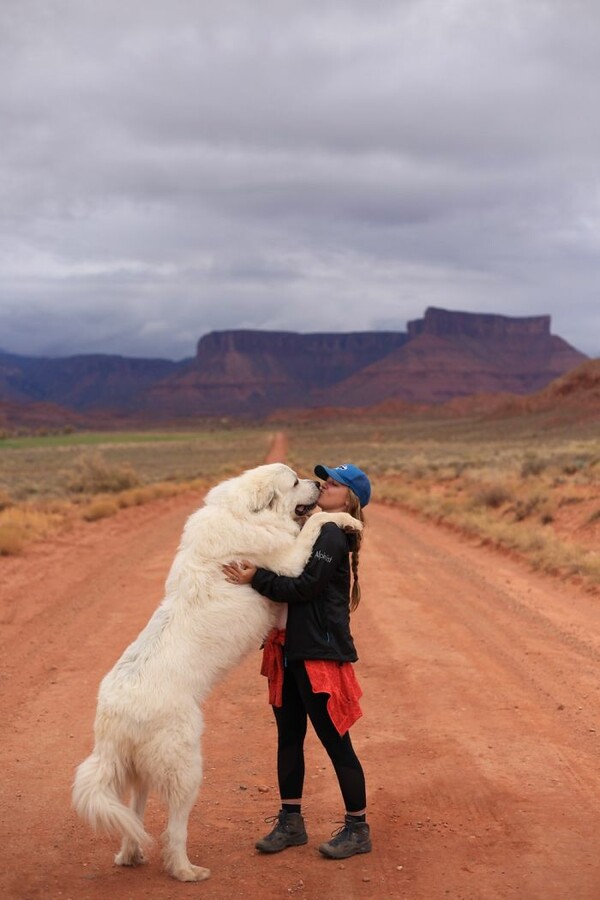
<point>329,549</point>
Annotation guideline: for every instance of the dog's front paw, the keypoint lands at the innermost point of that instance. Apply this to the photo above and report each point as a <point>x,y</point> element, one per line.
<point>352,529</point>
<point>347,522</point>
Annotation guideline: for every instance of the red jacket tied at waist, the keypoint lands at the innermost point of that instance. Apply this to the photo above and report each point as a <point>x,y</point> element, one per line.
<point>326,676</point>
<point>272,664</point>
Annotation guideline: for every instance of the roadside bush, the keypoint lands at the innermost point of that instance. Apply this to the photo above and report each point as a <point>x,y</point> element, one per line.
<point>569,501</point>
<point>20,524</point>
<point>101,508</point>
<point>149,492</point>
<point>93,475</point>
<point>577,464</point>
<point>5,500</point>
<point>12,539</point>
<point>493,496</point>
<point>533,465</point>
<point>524,508</point>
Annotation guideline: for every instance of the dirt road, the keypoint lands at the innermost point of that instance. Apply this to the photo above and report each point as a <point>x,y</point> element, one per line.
<point>479,735</point>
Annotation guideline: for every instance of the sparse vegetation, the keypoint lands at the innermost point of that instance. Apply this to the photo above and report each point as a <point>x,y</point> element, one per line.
<point>93,474</point>
<point>57,480</point>
<point>22,523</point>
<point>12,539</point>
<point>493,496</point>
<point>100,508</point>
<point>481,477</point>
<point>5,500</point>
<point>532,465</point>
<point>38,468</point>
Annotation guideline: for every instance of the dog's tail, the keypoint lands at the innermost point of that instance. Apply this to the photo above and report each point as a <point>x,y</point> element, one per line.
<point>97,792</point>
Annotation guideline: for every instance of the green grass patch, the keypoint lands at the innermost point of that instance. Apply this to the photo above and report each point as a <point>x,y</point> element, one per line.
<point>95,438</point>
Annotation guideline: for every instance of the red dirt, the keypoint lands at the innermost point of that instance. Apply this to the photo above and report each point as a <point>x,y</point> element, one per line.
<point>479,736</point>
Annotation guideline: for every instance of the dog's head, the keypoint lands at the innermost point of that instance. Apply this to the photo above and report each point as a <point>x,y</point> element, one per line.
<point>274,486</point>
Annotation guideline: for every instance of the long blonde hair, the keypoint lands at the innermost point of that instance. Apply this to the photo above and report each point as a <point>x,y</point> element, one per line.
<point>354,508</point>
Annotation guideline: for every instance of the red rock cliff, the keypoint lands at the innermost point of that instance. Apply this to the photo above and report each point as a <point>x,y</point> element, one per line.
<point>445,323</point>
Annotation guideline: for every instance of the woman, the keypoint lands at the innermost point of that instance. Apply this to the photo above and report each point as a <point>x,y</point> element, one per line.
<point>314,678</point>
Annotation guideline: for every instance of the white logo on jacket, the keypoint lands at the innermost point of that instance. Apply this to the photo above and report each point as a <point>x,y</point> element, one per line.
<point>320,555</point>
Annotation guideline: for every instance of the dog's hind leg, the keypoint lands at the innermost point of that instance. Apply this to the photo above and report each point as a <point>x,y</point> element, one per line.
<point>131,854</point>
<point>181,791</point>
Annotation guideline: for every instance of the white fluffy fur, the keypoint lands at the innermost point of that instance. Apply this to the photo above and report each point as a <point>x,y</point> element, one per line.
<point>148,721</point>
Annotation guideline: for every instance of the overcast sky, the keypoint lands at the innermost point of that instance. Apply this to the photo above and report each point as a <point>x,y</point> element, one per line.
<point>171,167</point>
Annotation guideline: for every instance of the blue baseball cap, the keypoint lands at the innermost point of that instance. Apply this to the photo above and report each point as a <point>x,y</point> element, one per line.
<point>351,476</point>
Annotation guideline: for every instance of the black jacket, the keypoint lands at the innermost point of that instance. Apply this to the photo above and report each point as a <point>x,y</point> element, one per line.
<point>318,623</point>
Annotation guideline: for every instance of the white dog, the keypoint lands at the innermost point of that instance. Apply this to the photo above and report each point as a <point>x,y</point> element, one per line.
<point>148,721</point>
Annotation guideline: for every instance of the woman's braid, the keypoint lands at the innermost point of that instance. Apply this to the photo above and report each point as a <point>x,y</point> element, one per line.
<point>355,510</point>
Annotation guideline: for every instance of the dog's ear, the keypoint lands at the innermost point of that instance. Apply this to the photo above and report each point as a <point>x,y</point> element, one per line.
<point>261,496</point>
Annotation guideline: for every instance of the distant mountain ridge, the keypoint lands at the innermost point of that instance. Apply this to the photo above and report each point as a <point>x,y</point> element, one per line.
<point>86,382</point>
<point>445,354</point>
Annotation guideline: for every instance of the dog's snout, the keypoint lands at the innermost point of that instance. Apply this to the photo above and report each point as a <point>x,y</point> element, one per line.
<point>318,484</point>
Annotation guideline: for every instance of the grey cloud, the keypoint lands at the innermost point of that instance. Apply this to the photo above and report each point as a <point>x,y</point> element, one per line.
<point>171,168</point>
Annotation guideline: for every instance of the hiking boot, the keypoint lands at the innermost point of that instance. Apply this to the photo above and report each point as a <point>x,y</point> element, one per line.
<point>353,837</point>
<point>289,831</point>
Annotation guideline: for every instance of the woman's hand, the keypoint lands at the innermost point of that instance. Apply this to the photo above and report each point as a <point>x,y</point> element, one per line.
<point>239,572</point>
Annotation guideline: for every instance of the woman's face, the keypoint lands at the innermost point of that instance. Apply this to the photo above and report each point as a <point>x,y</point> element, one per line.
<point>333,496</point>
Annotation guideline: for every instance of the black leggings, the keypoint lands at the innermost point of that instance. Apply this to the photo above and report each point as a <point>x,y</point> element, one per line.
<point>299,702</point>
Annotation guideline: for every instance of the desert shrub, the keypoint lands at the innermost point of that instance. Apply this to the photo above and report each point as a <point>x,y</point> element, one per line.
<point>19,524</point>
<point>100,508</point>
<point>492,496</point>
<point>140,495</point>
<point>452,471</point>
<point>533,465</point>
<point>5,500</point>
<point>12,539</point>
<point>415,472</point>
<point>569,501</point>
<point>93,474</point>
<point>460,468</point>
<point>136,497</point>
<point>524,508</point>
<point>576,465</point>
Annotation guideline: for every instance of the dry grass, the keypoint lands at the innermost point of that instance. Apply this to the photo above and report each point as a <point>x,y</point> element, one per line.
<point>21,524</point>
<point>12,539</point>
<point>92,473</point>
<point>5,500</point>
<point>33,520</point>
<point>100,508</point>
<point>55,485</point>
<point>55,466</point>
<point>535,494</point>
